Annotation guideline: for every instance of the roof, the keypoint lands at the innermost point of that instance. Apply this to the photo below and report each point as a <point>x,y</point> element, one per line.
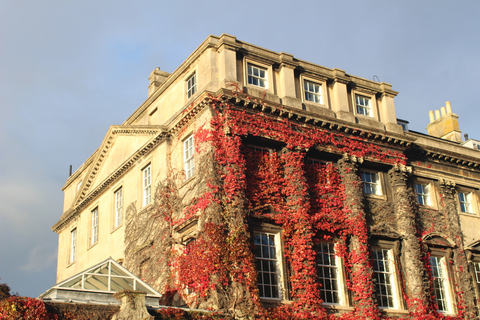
<point>97,284</point>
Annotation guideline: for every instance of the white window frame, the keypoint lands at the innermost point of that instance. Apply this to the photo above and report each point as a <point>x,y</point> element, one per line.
<point>191,85</point>
<point>94,227</point>
<point>312,91</point>
<point>476,273</point>
<point>362,108</point>
<point>147,185</point>
<point>371,183</point>
<point>73,245</point>
<point>269,257</point>
<point>441,284</point>
<point>465,201</point>
<point>261,82</point>
<point>423,193</point>
<point>384,273</point>
<point>118,200</point>
<point>329,270</point>
<point>189,156</point>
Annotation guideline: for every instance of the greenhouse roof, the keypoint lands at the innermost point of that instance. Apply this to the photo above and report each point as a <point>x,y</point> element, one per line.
<point>98,284</point>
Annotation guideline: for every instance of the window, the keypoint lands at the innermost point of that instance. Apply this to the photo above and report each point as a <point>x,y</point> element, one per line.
<point>261,150</point>
<point>313,92</point>
<point>383,271</point>
<point>118,207</point>
<point>268,267</point>
<point>476,270</point>
<point>403,123</point>
<point>363,106</point>
<point>440,283</point>
<point>191,85</point>
<point>188,157</point>
<point>371,183</point>
<point>465,200</point>
<point>94,237</point>
<point>147,185</point>
<point>328,273</point>
<point>73,245</point>
<point>257,76</point>
<point>423,194</point>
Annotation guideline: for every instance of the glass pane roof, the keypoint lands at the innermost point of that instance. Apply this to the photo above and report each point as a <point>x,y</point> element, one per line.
<point>107,276</point>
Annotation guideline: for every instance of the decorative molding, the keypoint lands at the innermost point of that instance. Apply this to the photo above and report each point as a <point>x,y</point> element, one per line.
<point>447,185</point>
<point>399,174</point>
<point>87,198</point>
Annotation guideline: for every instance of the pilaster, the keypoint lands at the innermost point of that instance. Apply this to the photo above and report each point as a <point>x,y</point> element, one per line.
<point>413,269</point>
<point>298,229</point>
<point>387,110</point>
<point>463,284</point>
<point>361,269</point>
<point>340,96</point>
<point>286,88</point>
<point>227,64</point>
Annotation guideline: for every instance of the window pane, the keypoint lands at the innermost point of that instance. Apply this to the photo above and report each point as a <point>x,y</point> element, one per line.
<point>257,76</point>
<point>327,272</point>
<point>383,274</point>
<point>267,264</point>
<point>439,282</point>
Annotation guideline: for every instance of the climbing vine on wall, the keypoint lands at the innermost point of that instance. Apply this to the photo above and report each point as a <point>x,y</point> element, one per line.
<point>307,199</point>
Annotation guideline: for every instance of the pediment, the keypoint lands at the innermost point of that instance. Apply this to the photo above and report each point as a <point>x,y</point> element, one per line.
<point>119,145</point>
<point>438,239</point>
<point>475,246</point>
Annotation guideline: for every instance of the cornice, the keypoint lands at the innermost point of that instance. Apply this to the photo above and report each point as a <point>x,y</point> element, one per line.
<point>85,197</point>
<point>105,148</point>
<point>304,117</point>
<point>448,157</point>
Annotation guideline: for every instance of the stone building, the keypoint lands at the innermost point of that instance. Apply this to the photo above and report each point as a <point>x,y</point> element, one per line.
<point>250,181</point>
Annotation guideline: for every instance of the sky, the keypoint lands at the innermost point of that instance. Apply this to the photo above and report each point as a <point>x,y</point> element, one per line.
<point>70,69</point>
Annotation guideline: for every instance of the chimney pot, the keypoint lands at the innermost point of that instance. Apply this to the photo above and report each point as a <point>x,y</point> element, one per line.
<point>444,112</point>
<point>432,117</point>
<point>449,107</point>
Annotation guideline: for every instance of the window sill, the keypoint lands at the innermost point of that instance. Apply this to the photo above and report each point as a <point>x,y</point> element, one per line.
<point>375,196</point>
<point>427,207</point>
<point>92,245</point>
<point>116,228</point>
<point>469,214</point>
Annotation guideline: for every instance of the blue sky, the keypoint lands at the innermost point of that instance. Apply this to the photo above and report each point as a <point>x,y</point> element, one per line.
<point>70,69</point>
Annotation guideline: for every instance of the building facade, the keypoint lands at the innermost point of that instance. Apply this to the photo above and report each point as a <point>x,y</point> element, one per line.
<point>253,182</point>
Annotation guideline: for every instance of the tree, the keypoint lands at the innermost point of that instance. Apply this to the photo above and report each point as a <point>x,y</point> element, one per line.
<point>4,291</point>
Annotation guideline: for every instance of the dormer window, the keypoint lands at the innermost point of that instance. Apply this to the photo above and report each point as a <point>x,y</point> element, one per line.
<point>257,76</point>
<point>191,85</point>
<point>363,105</point>
<point>313,92</point>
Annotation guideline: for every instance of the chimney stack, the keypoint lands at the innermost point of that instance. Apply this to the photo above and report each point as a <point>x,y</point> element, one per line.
<point>444,126</point>
<point>157,77</point>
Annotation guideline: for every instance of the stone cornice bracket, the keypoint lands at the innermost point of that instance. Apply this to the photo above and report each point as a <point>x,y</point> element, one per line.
<point>350,161</point>
<point>447,186</point>
<point>228,42</point>
<point>286,150</point>
<point>399,174</point>
<point>286,60</point>
<point>340,76</point>
<point>387,90</point>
